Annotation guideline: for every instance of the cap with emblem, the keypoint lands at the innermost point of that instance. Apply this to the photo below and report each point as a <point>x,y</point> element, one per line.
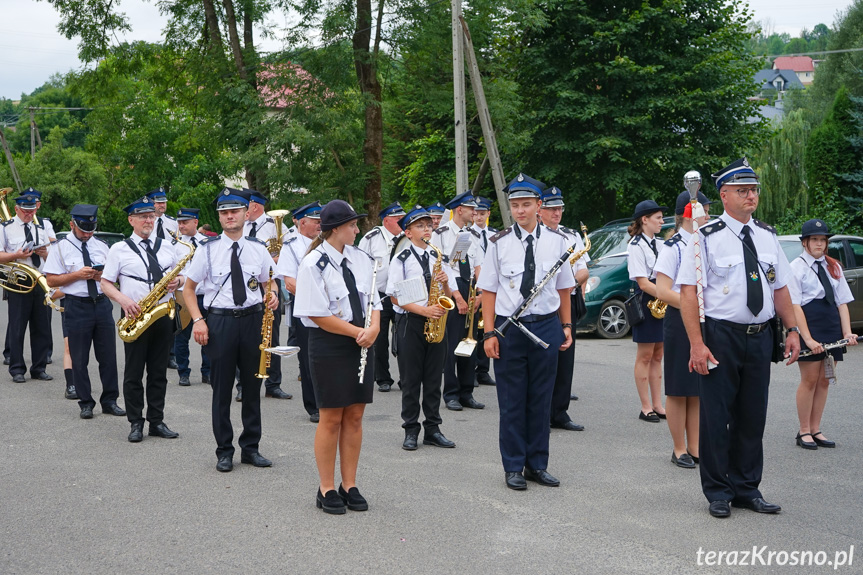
<point>523,186</point>
<point>254,196</point>
<point>552,198</point>
<point>311,211</point>
<point>84,216</point>
<point>337,213</point>
<point>466,199</point>
<point>815,227</point>
<point>142,205</point>
<point>483,204</point>
<point>394,209</point>
<point>683,200</point>
<point>737,173</point>
<point>27,200</point>
<point>646,208</point>
<point>32,192</point>
<point>158,195</point>
<point>436,208</point>
<point>184,214</point>
<point>230,199</point>
<point>415,214</point>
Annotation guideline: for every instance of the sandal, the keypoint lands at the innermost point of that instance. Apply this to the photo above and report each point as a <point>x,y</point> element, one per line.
<point>822,442</point>
<point>806,444</point>
<point>649,416</point>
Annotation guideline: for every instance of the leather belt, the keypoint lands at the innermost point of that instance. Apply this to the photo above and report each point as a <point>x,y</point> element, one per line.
<point>533,318</point>
<point>239,312</point>
<point>748,328</point>
<point>86,299</point>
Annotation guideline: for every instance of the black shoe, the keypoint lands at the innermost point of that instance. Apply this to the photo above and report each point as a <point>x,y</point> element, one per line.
<point>353,499</point>
<point>758,505</point>
<point>385,387</point>
<point>277,393</point>
<point>137,433</point>
<point>255,459</point>
<point>225,464</point>
<point>18,378</point>
<point>172,363</point>
<point>87,412</point>
<point>472,403</point>
<point>437,438</point>
<point>410,443</point>
<point>331,503</point>
<point>239,395</point>
<point>569,426</point>
<point>650,416</point>
<point>685,461</point>
<point>475,383</point>
<point>660,415</point>
<point>541,476</point>
<point>806,444</point>
<point>695,459</point>
<point>315,417</point>
<point>70,392</point>
<point>515,480</point>
<point>205,379</point>
<point>720,509</point>
<point>161,430</point>
<point>823,442</point>
<point>113,409</point>
<point>485,379</point>
<point>453,405</point>
<point>6,361</point>
<point>184,381</point>
<point>41,376</point>
<point>573,397</point>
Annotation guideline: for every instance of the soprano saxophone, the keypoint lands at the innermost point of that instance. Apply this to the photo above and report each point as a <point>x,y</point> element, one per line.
<point>266,333</point>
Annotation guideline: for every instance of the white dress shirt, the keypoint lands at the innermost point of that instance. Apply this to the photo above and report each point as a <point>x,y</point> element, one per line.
<point>265,228</point>
<point>671,257</point>
<point>292,254</point>
<point>805,285</point>
<point>13,237</point>
<point>406,265</point>
<point>211,268</point>
<point>67,256</point>
<point>642,260</point>
<point>169,224</point>
<point>378,243</point>
<point>445,238</point>
<point>132,270</point>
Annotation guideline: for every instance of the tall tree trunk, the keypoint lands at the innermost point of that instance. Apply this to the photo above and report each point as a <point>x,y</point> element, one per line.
<point>234,37</point>
<point>212,20</point>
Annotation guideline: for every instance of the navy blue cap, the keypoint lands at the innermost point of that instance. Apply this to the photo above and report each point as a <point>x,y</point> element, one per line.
<point>158,195</point>
<point>84,216</point>
<point>337,213</point>
<point>311,211</point>
<point>523,186</point>
<point>254,196</point>
<point>32,192</point>
<point>187,214</point>
<point>815,227</point>
<point>142,205</point>
<point>483,203</point>
<point>394,209</point>
<point>436,208</point>
<point>230,199</point>
<point>552,198</point>
<point>415,214</point>
<point>684,200</point>
<point>646,208</point>
<point>466,199</point>
<point>737,173</point>
<point>27,201</point>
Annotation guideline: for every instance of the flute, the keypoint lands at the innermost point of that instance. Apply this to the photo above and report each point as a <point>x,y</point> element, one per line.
<point>365,351</point>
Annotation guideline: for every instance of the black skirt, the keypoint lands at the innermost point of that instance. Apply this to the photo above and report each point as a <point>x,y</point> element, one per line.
<point>334,363</point>
<point>679,382</point>
<point>824,327</point>
<point>650,330</point>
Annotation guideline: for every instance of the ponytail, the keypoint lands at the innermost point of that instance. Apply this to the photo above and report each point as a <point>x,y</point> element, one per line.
<point>834,268</point>
<point>634,228</point>
<point>319,240</point>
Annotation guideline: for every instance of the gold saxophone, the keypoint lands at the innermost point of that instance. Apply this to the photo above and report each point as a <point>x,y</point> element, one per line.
<point>434,328</point>
<point>274,244</point>
<point>130,328</point>
<point>5,214</point>
<point>266,331</point>
<point>657,308</point>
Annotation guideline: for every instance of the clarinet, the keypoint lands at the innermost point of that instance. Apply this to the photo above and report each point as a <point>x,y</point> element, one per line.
<point>364,353</point>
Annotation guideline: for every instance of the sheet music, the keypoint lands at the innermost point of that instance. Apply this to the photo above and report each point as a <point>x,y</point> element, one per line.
<point>284,350</point>
<point>412,290</point>
<point>460,249</point>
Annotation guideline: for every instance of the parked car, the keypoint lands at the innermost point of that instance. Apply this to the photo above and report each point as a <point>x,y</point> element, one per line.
<point>109,238</point>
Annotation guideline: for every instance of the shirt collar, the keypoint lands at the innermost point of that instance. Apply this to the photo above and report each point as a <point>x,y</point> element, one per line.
<point>807,257</point>
<point>525,233</point>
<point>138,239</point>
<point>262,219</point>
<point>735,225</point>
<point>334,255</point>
<point>75,241</point>
<point>453,226</point>
<point>387,235</point>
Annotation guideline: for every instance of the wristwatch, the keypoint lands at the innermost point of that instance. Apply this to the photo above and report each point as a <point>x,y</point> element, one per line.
<point>197,319</point>
<point>795,328</point>
<point>489,335</point>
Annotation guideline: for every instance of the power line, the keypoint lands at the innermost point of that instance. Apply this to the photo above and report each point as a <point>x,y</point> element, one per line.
<point>818,52</point>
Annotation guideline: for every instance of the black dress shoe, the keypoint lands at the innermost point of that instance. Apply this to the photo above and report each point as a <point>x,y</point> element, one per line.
<point>650,416</point>
<point>573,397</point>
<point>695,459</point>
<point>515,480</point>
<point>172,363</point>
<point>541,476</point>
<point>485,379</point>
<point>50,360</point>
<point>472,403</point>
<point>41,376</point>
<point>184,381</point>
<point>331,502</point>
<point>137,433</point>
<point>410,443</point>
<point>18,378</point>
<point>385,387</point>
<point>720,509</point>
<point>453,405</point>
<point>437,438</point>
<point>315,417</point>
<point>225,464</point>
<point>255,459</point>
<point>278,393</point>
<point>87,412</point>
<point>569,426</point>
<point>70,392</point>
<point>161,430</point>
<point>806,444</point>
<point>6,361</point>
<point>353,499</point>
<point>205,379</point>
<point>113,409</point>
<point>685,461</point>
<point>823,442</point>
<point>239,395</point>
<point>758,505</point>
<point>660,415</point>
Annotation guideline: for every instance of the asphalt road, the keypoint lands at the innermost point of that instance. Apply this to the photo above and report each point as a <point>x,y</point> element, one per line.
<point>76,497</point>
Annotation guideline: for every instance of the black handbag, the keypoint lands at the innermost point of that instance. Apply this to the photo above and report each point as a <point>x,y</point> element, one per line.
<point>634,309</point>
<point>778,339</point>
<point>580,307</point>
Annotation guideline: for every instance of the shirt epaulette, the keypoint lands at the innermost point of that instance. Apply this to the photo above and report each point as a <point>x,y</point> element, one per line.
<point>169,217</point>
<point>322,262</point>
<point>566,230</point>
<point>673,240</point>
<point>404,255</point>
<point>99,239</point>
<point>499,235</point>
<point>712,227</point>
<point>556,232</point>
<point>762,225</point>
<point>6,223</point>
<point>270,221</point>
<point>364,252</point>
<point>491,230</point>
<point>474,232</point>
<point>441,229</point>
<point>289,240</point>
<point>635,240</point>
<point>372,233</point>
<point>258,240</point>
<point>211,239</point>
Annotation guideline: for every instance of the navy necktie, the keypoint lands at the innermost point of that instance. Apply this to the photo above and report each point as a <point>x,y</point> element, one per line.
<point>91,284</point>
<point>825,283</point>
<point>253,233</point>
<point>754,289</point>
<point>237,284</point>
<point>154,267</point>
<point>160,230</point>
<point>529,276</point>
<point>353,294</point>
<point>36,260</point>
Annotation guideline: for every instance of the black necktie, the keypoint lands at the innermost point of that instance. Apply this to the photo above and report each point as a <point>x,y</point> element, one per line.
<point>529,275</point>
<point>36,260</point>
<point>253,233</point>
<point>754,289</point>
<point>194,243</point>
<point>155,268</point>
<point>484,242</point>
<point>91,284</point>
<point>160,230</point>
<point>237,284</point>
<point>653,246</point>
<point>424,262</point>
<point>353,294</point>
<point>825,283</point>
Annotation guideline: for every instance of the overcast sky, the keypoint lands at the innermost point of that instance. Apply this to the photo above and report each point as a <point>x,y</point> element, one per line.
<point>31,49</point>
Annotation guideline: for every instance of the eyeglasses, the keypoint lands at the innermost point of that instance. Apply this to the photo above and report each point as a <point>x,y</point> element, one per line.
<point>146,216</point>
<point>744,192</point>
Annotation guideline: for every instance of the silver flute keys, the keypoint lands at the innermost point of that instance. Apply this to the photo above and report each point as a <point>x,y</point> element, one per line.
<point>364,353</point>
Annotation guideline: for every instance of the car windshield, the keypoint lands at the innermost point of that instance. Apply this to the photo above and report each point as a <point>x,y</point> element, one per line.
<point>607,241</point>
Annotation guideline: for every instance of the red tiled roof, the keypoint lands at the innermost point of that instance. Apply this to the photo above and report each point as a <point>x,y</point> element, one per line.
<point>796,63</point>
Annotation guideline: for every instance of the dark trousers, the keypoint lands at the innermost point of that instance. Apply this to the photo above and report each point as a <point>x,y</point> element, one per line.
<point>482,361</point>
<point>89,323</point>
<point>233,344</point>
<point>560,397</point>
<point>302,333</point>
<point>733,412</point>
<point>274,372</point>
<point>382,343</point>
<point>28,309</point>
<point>525,379</point>
<point>459,372</point>
<point>150,350</point>
<point>181,347</point>
<point>423,363</point>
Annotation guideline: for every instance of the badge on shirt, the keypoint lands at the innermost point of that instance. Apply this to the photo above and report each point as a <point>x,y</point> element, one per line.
<point>252,283</point>
<point>771,274</point>
<point>753,276</point>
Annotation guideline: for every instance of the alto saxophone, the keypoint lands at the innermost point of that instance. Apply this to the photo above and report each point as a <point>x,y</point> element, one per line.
<point>266,333</point>
<point>434,328</point>
<point>130,328</point>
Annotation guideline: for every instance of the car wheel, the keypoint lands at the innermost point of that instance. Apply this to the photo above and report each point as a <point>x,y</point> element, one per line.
<point>612,322</point>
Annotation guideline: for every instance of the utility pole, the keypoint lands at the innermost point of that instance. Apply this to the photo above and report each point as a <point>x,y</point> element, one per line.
<point>11,161</point>
<point>32,133</point>
<point>461,175</point>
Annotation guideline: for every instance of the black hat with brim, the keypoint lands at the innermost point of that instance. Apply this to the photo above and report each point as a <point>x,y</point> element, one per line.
<point>646,208</point>
<point>815,227</point>
<point>337,213</point>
